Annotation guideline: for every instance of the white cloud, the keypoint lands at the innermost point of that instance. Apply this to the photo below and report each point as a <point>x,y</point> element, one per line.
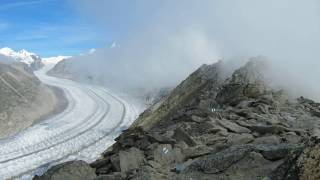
<point>163,41</point>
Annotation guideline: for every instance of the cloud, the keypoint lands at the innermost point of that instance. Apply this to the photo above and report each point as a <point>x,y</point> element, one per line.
<point>163,41</point>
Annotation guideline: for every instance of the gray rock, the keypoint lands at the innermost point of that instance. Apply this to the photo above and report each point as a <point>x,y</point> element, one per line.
<point>244,104</point>
<point>216,140</point>
<point>115,161</point>
<point>100,163</point>
<point>246,82</point>
<point>154,164</point>
<point>267,140</point>
<point>182,166</point>
<point>236,139</point>
<point>216,163</point>
<point>197,119</point>
<point>180,135</point>
<point>165,138</point>
<point>147,173</point>
<point>262,129</point>
<point>252,167</point>
<point>165,155</point>
<point>130,159</point>
<point>233,127</point>
<point>221,161</point>
<point>113,176</point>
<point>73,170</point>
<point>276,152</point>
<point>315,112</point>
<point>194,152</point>
<point>104,170</point>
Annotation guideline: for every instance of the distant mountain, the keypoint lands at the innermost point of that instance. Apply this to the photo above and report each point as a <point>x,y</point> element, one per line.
<point>55,60</point>
<point>32,60</point>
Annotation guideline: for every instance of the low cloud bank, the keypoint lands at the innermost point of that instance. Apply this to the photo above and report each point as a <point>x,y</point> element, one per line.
<point>161,42</point>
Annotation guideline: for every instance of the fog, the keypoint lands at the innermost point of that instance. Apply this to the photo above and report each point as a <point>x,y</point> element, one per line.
<point>160,42</point>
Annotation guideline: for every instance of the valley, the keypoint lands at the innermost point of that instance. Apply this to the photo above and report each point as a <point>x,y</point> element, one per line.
<point>93,117</point>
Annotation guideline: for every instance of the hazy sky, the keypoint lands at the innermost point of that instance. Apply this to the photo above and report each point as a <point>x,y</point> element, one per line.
<point>69,27</point>
<point>159,42</point>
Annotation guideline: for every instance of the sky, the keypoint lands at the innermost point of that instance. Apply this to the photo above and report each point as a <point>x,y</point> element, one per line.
<point>48,28</point>
<point>160,42</point>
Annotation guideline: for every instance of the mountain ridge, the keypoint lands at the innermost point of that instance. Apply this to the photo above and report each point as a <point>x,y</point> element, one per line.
<point>215,126</point>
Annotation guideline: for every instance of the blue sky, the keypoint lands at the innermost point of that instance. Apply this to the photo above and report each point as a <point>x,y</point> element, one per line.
<point>48,28</point>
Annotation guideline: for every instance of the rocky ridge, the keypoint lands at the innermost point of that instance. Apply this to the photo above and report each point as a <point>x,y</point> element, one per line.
<point>215,126</point>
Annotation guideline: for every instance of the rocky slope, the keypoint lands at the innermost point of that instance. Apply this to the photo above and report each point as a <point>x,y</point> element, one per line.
<point>215,126</point>
<point>23,98</point>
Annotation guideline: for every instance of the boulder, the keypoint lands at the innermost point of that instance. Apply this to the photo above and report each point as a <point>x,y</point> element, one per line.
<point>292,138</point>
<point>218,162</point>
<point>233,127</point>
<point>73,170</point>
<point>309,163</point>
<point>130,159</point>
<point>197,151</point>
<point>272,139</point>
<point>302,164</point>
<point>276,152</point>
<point>165,154</point>
<point>181,135</point>
<point>115,161</point>
<point>235,139</point>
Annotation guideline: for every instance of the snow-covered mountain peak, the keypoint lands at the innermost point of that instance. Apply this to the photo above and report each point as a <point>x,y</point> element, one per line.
<point>31,59</point>
<point>25,53</point>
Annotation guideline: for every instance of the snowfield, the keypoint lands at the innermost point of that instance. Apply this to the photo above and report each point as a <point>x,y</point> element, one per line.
<point>93,118</point>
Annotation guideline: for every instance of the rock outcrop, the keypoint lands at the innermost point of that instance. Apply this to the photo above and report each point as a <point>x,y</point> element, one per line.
<point>217,127</point>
